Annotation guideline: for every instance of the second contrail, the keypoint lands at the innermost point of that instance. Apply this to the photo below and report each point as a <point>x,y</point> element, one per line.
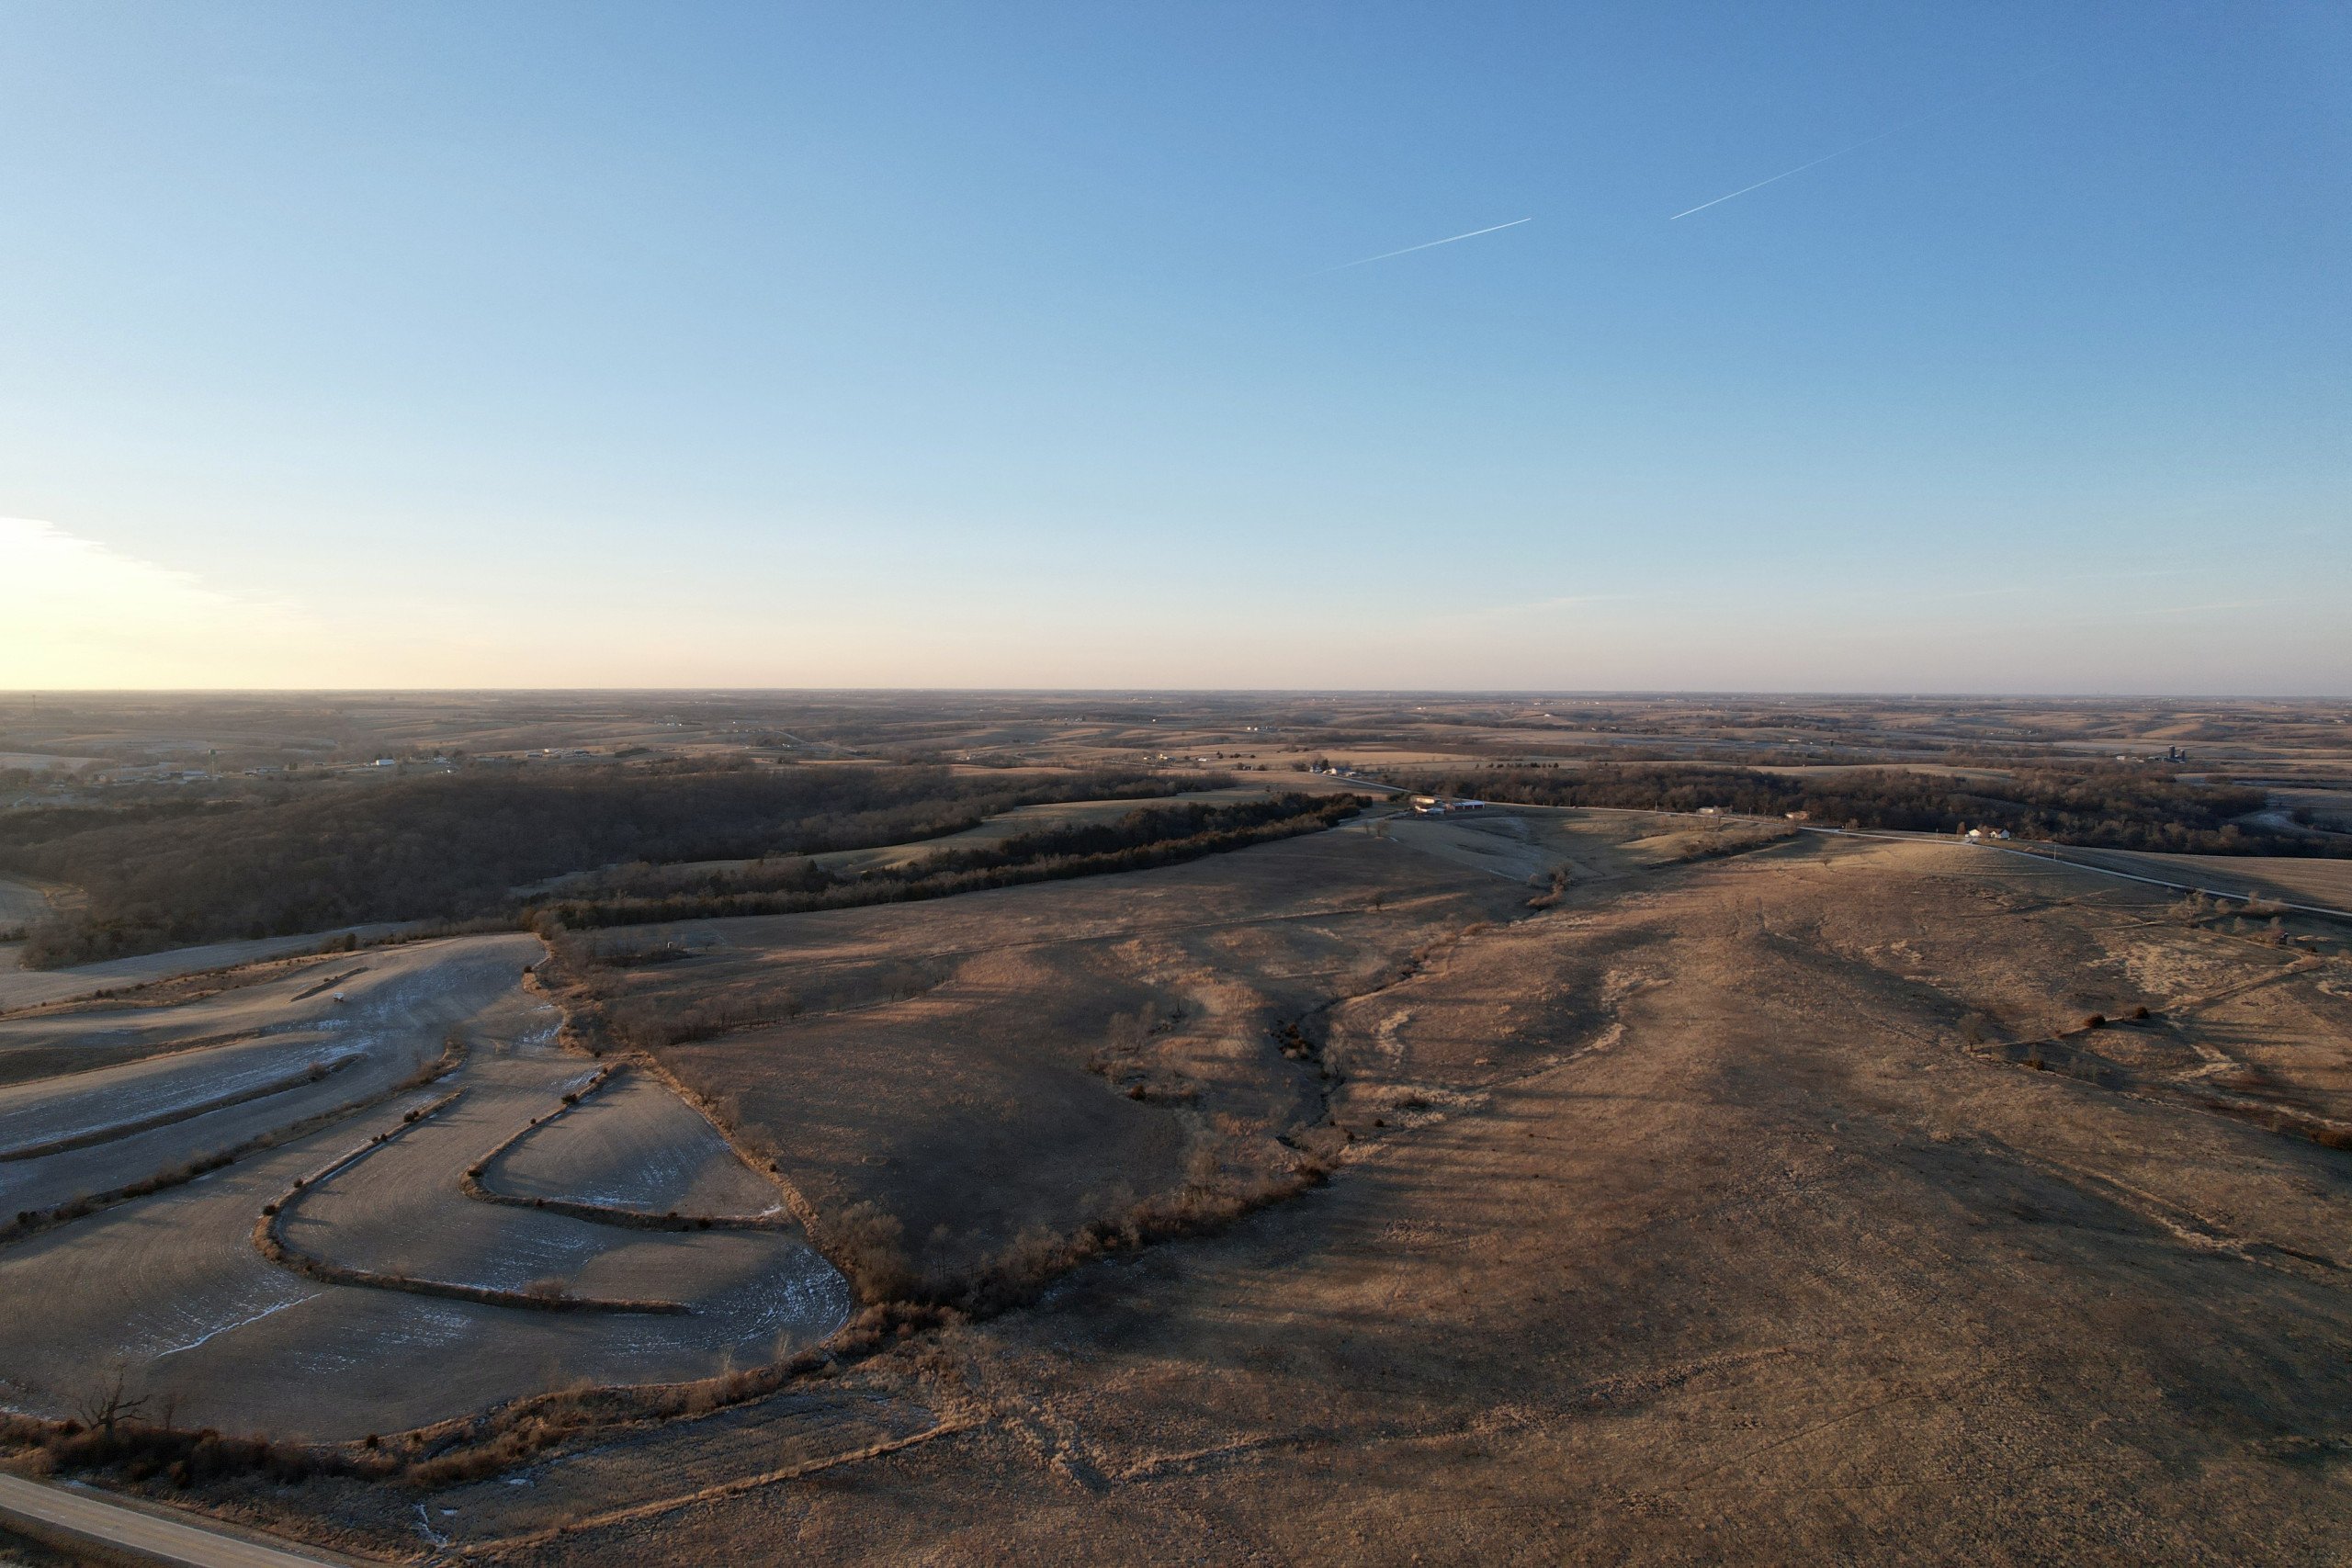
<point>1801,168</point>
<point>1854,147</point>
<point>1430,244</point>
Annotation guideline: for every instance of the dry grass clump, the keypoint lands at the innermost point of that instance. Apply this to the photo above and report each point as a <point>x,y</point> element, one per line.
<point>1554,893</point>
<point>643,1026</point>
<point>1198,1208</point>
<point>866,1242</point>
<point>485,1460</point>
<point>2198,908</point>
<point>478,1448</point>
<point>2245,1077</point>
<point>590,980</point>
<point>614,954</point>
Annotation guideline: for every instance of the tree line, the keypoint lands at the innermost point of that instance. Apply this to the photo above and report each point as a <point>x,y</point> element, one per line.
<point>1136,841</point>
<point>457,846</point>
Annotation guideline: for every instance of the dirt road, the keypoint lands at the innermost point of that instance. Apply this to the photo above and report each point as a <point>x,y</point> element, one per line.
<point>21,987</point>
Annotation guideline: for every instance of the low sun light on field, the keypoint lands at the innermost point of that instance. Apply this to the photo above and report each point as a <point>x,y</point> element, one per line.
<point>82,616</point>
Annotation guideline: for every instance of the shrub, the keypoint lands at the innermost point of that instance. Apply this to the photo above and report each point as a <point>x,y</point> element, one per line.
<point>139,1449</point>
<point>866,1244</point>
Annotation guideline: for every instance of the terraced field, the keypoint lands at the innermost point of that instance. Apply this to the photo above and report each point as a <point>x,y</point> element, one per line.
<point>634,1149</point>
<point>378,1292</point>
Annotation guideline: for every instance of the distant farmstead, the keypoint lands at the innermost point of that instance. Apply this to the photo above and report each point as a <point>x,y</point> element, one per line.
<point>1445,806</point>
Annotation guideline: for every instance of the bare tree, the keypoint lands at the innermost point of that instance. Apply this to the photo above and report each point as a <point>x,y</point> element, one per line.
<point>108,1405</point>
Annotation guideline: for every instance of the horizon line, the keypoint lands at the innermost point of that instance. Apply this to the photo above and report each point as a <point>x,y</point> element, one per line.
<point>1910,694</point>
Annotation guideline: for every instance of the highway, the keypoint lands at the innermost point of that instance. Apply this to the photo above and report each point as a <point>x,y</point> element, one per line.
<point>92,1516</point>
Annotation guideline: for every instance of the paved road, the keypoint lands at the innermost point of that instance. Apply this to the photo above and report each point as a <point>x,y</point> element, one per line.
<point>93,1517</point>
<point>2053,853</point>
<point>2033,849</point>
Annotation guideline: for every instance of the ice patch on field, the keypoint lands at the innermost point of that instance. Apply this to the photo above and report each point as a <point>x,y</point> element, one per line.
<point>253,1305</point>
<point>538,1254</point>
<point>417,1323</point>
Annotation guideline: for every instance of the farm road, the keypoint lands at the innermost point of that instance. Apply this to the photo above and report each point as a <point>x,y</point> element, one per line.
<point>22,987</point>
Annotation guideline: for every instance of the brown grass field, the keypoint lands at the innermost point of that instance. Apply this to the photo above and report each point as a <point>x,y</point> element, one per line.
<point>1707,1224</point>
<point>1537,1186</point>
<point>2324,882</point>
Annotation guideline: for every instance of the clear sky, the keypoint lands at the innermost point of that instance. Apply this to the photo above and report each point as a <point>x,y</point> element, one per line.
<point>1013,344</point>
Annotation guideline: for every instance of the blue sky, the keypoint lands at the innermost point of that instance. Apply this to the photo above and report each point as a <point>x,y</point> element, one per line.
<point>1002,345</point>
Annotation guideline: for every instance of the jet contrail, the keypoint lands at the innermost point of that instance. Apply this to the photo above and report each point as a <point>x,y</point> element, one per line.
<point>1801,168</point>
<point>1425,245</point>
<point>1855,147</point>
